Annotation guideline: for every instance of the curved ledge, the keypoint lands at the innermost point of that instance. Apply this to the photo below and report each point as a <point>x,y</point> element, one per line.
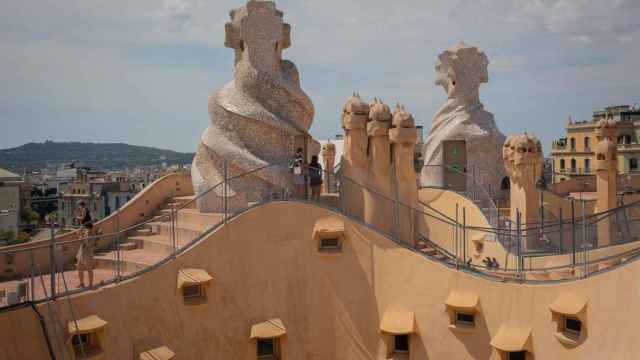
<point>568,340</point>
<point>462,328</point>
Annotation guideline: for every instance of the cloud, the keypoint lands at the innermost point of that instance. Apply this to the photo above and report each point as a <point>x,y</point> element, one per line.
<point>128,69</point>
<point>583,21</point>
<point>178,10</point>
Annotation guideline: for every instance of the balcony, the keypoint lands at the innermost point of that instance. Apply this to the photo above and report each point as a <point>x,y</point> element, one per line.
<point>576,171</point>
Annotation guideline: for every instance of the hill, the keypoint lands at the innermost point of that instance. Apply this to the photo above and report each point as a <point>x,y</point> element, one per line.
<point>115,156</point>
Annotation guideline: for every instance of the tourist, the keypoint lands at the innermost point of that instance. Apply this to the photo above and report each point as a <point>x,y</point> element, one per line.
<point>85,253</point>
<point>297,167</point>
<point>315,178</point>
<point>84,215</point>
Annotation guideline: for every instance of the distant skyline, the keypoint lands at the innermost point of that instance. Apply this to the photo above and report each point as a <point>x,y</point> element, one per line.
<point>140,72</point>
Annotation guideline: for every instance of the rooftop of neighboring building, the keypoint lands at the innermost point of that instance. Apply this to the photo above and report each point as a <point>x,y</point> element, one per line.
<point>6,175</point>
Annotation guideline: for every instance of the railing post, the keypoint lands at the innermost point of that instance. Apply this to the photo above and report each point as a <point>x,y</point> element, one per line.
<point>174,228</point>
<point>52,263</point>
<point>455,238</point>
<point>464,235</point>
<point>561,229</point>
<point>584,236</point>
<point>224,191</point>
<point>117,241</point>
<point>573,233</point>
<point>32,282</point>
<point>540,235</point>
<point>519,242</point>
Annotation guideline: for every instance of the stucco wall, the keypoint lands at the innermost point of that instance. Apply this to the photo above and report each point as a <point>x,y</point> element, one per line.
<point>331,304</point>
<point>443,234</point>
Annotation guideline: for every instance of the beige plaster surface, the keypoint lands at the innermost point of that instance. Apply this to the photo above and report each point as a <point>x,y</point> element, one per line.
<point>332,306</point>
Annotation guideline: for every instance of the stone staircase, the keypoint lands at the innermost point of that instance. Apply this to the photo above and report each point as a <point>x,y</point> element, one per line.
<point>428,249</point>
<point>151,242</point>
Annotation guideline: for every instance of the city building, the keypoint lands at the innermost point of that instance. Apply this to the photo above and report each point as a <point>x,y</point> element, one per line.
<point>10,190</point>
<point>102,195</point>
<point>573,155</point>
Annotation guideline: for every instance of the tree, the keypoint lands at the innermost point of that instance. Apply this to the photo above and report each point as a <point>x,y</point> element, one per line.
<point>28,216</point>
<point>8,237</point>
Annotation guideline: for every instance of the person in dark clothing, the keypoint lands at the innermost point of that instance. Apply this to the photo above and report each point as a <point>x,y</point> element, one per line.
<point>315,178</point>
<point>84,215</point>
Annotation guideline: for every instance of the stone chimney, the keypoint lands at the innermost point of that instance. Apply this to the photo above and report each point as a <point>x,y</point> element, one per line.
<point>378,203</point>
<point>355,114</point>
<point>606,178</point>
<point>523,159</point>
<point>403,136</point>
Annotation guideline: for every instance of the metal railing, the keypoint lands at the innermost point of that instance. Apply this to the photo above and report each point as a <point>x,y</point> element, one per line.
<point>450,239</point>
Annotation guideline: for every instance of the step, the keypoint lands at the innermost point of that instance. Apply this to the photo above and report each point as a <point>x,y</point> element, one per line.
<point>429,251</point>
<point>154,243</point>
<point>128,246</point>
<point>184,232</point>
<point>193,216</point>
<point>440,256</point>
<point>182,200</point>
<point>131,261</point>
<point>141,232</point>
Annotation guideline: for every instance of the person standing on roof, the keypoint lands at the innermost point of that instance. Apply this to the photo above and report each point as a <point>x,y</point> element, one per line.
<point>296,166</point>
<point>315,178</point>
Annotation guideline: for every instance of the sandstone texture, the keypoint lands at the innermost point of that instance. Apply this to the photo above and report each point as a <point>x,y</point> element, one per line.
<point>259,118</point>
<point>460,71</point>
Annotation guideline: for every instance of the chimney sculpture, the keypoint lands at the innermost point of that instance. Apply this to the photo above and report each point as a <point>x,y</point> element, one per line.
<point>606,178</point>
<point>523,161</point>
<point>378,203</point>
<point>258,119</point>
<point>404,136</point>
<point>354,165</point>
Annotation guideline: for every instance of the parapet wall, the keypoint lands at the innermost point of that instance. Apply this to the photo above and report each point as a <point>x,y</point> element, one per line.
<point>331,304</point>
<point>133,212</point>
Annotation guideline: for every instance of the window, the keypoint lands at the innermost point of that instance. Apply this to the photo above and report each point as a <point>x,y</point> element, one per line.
<point>192,291</point>
<point>587,165</point>
<point>401,343</point>
<point>465,319</point>
<point>268,348</point>
<point>573,164</point>
<point>562,165</point>
<point>633,164</point>
<point>193,285</point>
<point>330,245</point>
<point>573,143</point>
<point>517,355</point>
<point>572,327</point>
<point>587,143</point>
<point>81,342</point>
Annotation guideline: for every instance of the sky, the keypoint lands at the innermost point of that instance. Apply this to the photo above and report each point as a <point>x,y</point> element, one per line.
<point>141,71</point>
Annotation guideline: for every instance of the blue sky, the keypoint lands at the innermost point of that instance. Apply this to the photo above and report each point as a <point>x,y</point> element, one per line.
<point>140,71</point>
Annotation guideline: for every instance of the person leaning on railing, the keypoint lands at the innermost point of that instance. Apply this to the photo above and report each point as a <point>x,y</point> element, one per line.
<point>85,260</point>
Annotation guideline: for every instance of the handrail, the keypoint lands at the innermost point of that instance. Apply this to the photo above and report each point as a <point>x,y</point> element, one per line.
<point>517,274</point>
